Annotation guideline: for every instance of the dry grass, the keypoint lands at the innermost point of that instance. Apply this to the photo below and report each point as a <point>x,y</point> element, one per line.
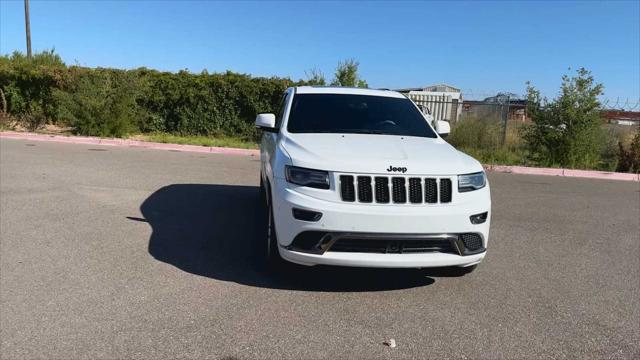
<point>220,141</point>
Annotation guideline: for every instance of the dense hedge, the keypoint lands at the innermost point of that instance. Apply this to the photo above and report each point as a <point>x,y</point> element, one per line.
<point>112,102</point>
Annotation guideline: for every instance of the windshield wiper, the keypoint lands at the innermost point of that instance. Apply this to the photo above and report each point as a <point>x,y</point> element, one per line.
<point>345,131</point>
<point>362,131</point>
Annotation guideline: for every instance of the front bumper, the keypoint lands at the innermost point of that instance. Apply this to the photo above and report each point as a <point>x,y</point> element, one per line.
<point>372,219</point>
<point>381,260</point>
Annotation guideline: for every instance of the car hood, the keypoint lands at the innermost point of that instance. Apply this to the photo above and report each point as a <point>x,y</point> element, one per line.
<point>375,154</point>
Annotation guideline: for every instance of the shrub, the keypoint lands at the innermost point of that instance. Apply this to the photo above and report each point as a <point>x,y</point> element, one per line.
<point>208,104</point>
<point>567,131</point>
<point>482,138</point>
<point>111,102</point>
<point>476,133</point>
<point>100,102</point>
<point>629,158</point>
<point>28,85</point>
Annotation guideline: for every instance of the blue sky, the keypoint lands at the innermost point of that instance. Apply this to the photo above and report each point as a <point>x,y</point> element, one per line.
<point>482,47</point>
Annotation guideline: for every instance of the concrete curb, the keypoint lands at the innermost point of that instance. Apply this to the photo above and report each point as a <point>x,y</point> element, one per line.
<point>88,140</point>
<point>590,174</point>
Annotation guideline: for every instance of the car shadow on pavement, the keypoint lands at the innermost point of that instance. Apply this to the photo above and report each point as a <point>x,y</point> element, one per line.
<point>213,231</point>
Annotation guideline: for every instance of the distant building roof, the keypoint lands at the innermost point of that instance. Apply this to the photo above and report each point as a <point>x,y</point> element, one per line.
<point>505,98</point>
<point>432,88</point>
<point>620,115</point>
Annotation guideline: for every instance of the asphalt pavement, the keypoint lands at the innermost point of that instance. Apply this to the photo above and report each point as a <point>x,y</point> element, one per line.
<point>112,252</point>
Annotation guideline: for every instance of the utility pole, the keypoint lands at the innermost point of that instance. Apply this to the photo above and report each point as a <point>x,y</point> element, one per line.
<point>28,27</point>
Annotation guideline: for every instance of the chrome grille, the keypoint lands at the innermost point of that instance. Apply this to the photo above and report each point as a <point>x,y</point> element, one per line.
<point>396,189</point>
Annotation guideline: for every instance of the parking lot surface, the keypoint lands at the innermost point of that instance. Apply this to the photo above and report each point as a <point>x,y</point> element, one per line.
<point>109,252</point>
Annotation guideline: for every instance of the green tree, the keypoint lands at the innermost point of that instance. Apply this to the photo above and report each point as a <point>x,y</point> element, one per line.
<point>347,75</point>
<point>567,131</point>
<point>315,77</point>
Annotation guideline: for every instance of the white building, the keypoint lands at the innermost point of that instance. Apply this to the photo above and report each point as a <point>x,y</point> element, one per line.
<point>443,101</point>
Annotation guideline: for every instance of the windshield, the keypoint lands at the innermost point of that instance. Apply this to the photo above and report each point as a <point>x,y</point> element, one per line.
<point>356,114</point>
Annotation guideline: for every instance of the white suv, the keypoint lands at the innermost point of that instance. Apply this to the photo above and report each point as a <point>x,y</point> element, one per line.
<point>358,177</point>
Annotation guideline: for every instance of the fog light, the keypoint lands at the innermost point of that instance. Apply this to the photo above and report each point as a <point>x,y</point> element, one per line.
<point>306,215</point>
<point>478,218</point>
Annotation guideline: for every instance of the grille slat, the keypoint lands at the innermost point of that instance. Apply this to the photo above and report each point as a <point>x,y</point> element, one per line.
<point>364,189</point>
<point>382,189</point>
<point>399,190</point>
<point>445,190</point>
<point>415,190</point>
<point>430,191</point>
<point>347,190</point>
<point>386,189</point>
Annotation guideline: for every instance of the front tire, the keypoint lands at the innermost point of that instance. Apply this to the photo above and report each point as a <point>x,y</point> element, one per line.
<point>263,192</point>
<point>271,254</point>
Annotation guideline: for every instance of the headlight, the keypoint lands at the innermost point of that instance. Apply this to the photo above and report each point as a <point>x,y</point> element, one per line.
<point>470,182</point>
<point>307,177</point>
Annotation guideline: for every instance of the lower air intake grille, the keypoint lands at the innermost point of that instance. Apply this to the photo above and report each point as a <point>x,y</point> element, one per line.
<point>472,242</point>
<point>392,246</point>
